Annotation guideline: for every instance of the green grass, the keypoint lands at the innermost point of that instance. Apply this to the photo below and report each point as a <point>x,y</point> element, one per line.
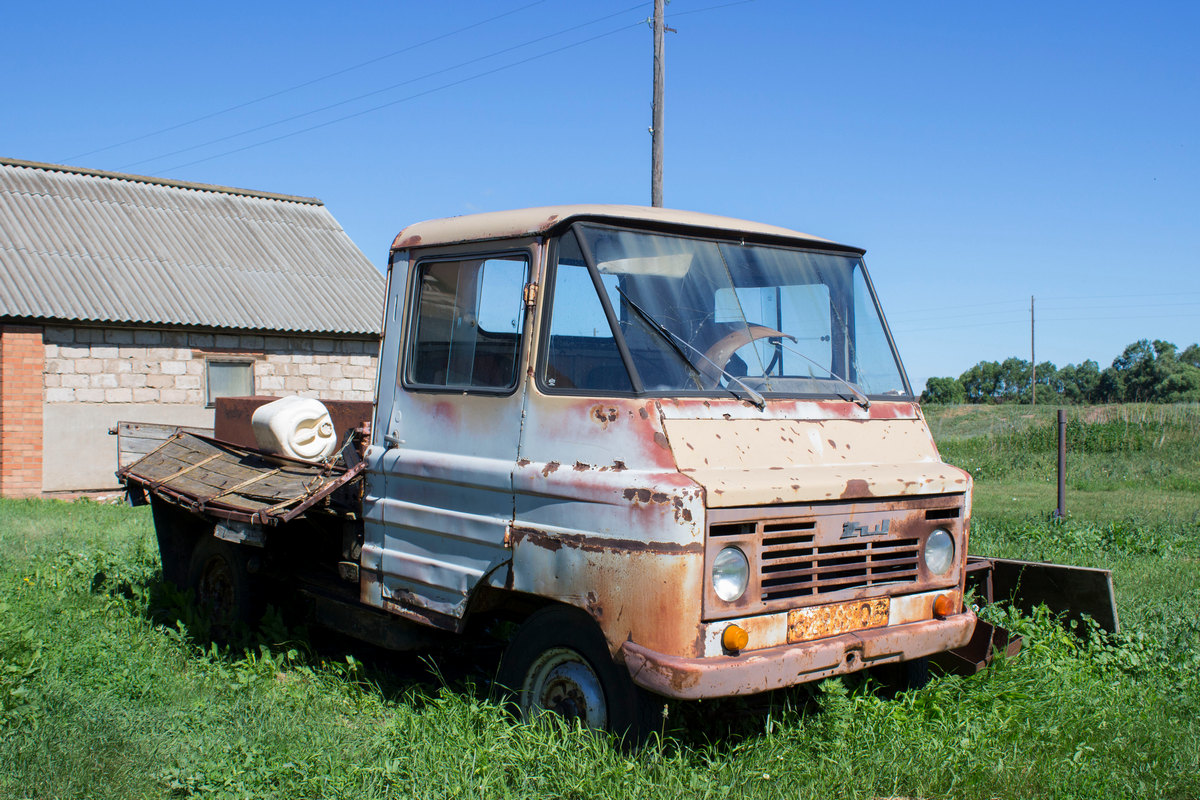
<point>104,694</point>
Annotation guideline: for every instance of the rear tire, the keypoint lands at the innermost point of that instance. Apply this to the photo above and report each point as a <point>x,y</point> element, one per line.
<point>558,662</point>
<point>224,591</point>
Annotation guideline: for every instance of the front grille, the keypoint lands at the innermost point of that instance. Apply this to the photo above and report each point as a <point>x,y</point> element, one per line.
<point>793,565</point>
<point>807,555</point>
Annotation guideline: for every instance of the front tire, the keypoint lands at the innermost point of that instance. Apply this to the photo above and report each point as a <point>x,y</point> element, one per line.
<point>558,662</point>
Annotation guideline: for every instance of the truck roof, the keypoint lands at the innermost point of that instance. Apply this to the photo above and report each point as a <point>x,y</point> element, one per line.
<point>545,219</point>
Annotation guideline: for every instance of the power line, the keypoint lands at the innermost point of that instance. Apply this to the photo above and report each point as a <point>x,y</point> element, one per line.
<point>1111,317</point>
<point>966,315</point>
<point>711,8</point>
<point>414,96</point>
<point>307,83</point>
<point>1020,321</point>
<point>374,93</point>
<point>1117,296</point>
<point>1125,307</point>
<point>927,309</point>
<point>1017,304</point>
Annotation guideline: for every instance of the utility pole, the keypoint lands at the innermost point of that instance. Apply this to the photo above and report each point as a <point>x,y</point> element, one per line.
<point>1032,355</point>
<point>656,129</point>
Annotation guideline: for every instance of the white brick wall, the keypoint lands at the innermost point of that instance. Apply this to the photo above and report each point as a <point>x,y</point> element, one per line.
<point>114,365</point>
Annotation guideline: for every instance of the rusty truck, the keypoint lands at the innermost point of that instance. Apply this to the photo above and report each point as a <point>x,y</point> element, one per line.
<point>675,454</point>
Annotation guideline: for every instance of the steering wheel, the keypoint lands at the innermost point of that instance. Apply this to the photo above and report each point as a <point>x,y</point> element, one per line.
<point>724,348</point>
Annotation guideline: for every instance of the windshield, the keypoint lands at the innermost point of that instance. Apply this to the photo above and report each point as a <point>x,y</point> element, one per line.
<point>660,313</point>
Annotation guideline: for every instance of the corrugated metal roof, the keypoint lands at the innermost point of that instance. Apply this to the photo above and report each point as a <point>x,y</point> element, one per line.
<point>90,246</point>
<point>538,221</point>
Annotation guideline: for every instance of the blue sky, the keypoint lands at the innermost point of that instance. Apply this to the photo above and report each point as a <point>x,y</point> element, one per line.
<point>982,153</point>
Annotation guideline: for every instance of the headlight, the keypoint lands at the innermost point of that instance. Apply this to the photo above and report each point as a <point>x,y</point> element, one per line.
<point>730,574</point>
<point>939,552</point>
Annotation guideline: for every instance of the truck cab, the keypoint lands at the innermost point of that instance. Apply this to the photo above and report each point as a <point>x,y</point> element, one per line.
<point>679,451</point>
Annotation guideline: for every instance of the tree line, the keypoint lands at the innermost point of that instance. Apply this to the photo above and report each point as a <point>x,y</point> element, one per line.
<point>1146,372</point>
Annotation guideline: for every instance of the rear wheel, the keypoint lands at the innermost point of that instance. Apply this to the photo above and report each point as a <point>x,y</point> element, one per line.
<point>558,662</point>
<point>220,580</point>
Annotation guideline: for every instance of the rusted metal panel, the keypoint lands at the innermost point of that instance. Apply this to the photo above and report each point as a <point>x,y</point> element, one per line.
<point>1067,590</point>
<point>804,451</point>
<point>605,521</point>
<point>977,654</point>
<point>761,670</point>
<point>632,591</point>
<point>440,496</point>
<point>232,418</point>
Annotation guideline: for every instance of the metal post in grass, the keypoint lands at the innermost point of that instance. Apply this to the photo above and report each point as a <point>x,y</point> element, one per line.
<point>1061,511</point>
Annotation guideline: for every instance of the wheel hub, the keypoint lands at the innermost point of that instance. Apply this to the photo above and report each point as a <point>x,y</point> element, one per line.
<point>562,681</point>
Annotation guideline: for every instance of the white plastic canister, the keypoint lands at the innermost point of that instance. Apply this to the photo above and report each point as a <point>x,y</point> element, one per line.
<point>299,427</point>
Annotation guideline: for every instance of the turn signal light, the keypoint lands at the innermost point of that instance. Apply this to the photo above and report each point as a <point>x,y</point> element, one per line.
<point>734,639</point>
<point>943,606</point>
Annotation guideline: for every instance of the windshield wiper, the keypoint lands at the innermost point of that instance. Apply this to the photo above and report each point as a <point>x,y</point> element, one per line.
<point>857,395</point>
<point>675,341</point>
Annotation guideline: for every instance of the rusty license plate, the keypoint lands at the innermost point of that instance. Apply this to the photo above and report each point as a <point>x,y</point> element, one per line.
<point>805,624</point>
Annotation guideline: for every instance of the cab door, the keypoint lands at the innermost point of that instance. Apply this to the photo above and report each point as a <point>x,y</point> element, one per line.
<point>448,429</point>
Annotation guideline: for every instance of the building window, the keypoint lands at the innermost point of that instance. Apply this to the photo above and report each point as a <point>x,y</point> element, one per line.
<point>227,379</point>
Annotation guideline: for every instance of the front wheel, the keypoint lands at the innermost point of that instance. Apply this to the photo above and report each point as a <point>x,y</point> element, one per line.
<point>558,662</point>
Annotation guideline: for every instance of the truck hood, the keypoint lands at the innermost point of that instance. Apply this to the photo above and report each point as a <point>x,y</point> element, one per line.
<point>803,452</point>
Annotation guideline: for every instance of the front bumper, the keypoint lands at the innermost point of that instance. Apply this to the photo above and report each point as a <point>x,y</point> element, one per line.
<point>788,665</point>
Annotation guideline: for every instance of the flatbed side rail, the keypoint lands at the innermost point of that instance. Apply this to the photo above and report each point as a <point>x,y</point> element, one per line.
<point>233,482</point>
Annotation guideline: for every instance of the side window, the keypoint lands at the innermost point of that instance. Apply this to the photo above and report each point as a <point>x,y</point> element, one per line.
<point>582,353</point>
<point>467,327</point>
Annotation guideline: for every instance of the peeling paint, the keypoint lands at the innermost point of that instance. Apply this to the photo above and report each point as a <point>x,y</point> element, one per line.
<point>604,415</point>
<point>597,544</point>
<point>857,487</point>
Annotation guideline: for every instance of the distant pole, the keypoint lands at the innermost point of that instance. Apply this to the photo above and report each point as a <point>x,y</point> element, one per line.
<point>656,130</point>
<point>1032,355</point>
<point>1061,511</point>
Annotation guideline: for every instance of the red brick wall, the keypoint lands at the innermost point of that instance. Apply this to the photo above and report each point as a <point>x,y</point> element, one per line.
<point>22,363</point>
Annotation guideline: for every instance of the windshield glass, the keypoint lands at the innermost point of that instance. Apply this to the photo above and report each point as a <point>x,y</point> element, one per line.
<point>695,315</point>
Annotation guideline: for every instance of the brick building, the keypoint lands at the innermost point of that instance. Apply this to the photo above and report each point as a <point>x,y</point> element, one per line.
<point>131,298</point>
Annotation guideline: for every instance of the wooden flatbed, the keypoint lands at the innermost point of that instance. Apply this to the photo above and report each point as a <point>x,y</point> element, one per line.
<point>229,481</point>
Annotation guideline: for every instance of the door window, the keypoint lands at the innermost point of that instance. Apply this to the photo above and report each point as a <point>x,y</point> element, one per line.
<point>467,328</point>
